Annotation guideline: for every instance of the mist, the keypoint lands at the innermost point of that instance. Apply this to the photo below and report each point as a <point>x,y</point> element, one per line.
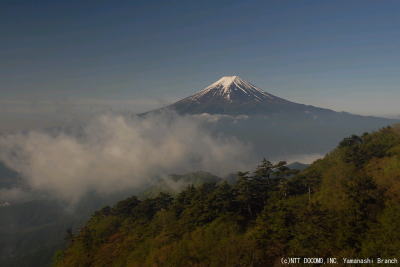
<point>114,153</point>
<point>304,158</point>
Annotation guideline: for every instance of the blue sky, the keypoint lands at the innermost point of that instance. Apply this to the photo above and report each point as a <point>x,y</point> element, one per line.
<point>141,54</point>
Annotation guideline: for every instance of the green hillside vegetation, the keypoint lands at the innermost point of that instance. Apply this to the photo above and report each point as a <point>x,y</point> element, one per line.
<point>175,183</point>
<point>345,205</point>
<point>39,220</point>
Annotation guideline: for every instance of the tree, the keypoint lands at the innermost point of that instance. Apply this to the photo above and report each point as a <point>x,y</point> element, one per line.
<point>251,194</point>
<point>364,203</point>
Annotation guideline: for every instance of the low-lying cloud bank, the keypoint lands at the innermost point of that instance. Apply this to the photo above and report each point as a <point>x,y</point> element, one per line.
<point>304,158</point>
<point>115,153</point>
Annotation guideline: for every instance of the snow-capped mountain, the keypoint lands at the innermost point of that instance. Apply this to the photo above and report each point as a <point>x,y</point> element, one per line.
<point>273,126</point>
<point>233,89</point>
<point>233,95</point>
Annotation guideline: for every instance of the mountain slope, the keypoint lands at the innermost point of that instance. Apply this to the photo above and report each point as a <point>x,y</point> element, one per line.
<point>25,224</point>
<point>275,127</point>
<point>346,205</point>
<point>232,95</point>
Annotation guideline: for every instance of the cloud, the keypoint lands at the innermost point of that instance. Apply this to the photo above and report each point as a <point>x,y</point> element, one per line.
<point>114,153</point>
<point>214,118</point>
<point>304,158</point>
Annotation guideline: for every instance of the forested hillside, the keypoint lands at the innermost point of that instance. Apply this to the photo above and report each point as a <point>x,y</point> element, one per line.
<point>345,205</point>
<point>40,220</point>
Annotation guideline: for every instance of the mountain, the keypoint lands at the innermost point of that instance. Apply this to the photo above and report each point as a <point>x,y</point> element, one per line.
<point>235,96</point>
<point>275,127</point>
<point>346,204</point>
<point>39,220</point>
<point>298,166</point>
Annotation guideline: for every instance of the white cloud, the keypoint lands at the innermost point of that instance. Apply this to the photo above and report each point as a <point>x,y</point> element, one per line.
<point>115,153</point>
<point>304,158</point>
<point>213,118</point>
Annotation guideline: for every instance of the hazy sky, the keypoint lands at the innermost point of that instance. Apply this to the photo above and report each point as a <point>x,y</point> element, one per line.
<point>141,54</point>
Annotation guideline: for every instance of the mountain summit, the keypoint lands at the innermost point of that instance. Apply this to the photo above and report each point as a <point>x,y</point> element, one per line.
<point>233,95</point>
<point>274,127</point>
<point>233,89</point>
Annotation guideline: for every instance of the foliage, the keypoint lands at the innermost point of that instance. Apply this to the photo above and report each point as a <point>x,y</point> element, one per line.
<point>345,205</point>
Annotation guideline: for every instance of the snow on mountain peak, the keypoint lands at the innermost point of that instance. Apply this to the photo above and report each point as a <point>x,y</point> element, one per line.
<point>233,87</point>
<point>232,95</point>
<point>226,81</point>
